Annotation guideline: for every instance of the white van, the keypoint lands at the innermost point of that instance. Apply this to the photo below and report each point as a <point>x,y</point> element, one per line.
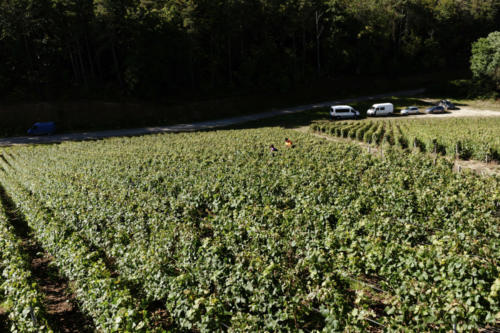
<point>343,112</point>
<point>382,109</point>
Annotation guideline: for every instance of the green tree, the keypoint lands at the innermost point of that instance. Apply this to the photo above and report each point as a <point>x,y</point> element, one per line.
<point>485,60</point>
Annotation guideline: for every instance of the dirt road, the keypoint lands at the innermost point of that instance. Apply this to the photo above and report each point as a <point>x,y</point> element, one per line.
<point>190,127</point>
<point>26,140</point>
<point>463,112</point>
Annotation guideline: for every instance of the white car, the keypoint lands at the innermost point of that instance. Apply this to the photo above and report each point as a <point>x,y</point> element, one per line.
<point>343,112</point>
<point>409,110</point>
<point>382,109</point>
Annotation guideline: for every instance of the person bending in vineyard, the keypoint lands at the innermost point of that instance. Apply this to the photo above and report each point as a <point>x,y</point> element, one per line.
<point>289,143</point>
<point>272,148</point>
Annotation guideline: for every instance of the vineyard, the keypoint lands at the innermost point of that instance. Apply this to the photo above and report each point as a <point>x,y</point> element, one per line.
<point>212,232</point>
<point>465,138</point>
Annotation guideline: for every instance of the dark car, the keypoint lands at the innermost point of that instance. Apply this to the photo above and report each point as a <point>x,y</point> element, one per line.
<point>435,109</point>
<point>447,104</point>
<point>42,128</point>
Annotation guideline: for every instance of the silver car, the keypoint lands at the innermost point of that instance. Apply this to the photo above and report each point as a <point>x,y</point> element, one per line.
<point>409,110</point>
<point>435,109</point>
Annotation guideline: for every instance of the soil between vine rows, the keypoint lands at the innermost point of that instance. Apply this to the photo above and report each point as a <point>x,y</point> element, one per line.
<point>3,320</point>
<point>62,309</point>
<point>63,313</point>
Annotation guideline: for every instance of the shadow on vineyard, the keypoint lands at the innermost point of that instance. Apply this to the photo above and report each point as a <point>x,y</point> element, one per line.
<point>4,159</point>
<point>21,228</point>
<point>3,320</point>
<point>224,235</point>
<point>62,311</point>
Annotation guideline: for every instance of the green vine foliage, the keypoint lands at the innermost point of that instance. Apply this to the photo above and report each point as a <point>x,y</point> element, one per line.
<point>103,297</point>
<point>228,236</point>
<point>465,138</point>
<point>20,292</point>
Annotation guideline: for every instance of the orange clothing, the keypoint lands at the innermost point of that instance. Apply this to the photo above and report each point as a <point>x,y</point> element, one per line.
<point>288,143</point>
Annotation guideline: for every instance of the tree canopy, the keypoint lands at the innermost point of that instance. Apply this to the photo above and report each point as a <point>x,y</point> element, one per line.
<point>149,48</point>
<point>485,60</point>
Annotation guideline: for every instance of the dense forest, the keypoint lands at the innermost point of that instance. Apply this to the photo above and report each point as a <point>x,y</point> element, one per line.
<point>154,48</point>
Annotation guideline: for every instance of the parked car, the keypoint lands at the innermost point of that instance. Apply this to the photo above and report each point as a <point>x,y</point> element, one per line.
<point>409,110</point>
<point>382,109</point>
<point>447,104</point>
<point>343,112</point>
<point>42,128</point>
<point>435,109</point>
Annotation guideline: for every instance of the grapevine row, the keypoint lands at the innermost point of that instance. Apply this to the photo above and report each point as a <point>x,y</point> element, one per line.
<point>103,297</point>
<point>24,299</point>
<point>463,138</point>
<point>241,238</point>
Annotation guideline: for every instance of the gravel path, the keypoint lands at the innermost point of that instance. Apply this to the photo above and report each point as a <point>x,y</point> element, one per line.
<point>189,127</point>
<point>463,112</point>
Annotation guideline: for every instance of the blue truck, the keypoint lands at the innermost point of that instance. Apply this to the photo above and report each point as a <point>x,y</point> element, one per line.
<point>42,128</point>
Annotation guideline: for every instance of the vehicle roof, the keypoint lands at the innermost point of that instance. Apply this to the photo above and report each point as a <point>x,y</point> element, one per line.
<point>341,106</point>
<point>381,104</point>
<point>44,123</point>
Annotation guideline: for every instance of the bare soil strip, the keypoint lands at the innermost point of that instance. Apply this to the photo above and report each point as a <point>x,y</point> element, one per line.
<point>60,304</point>
<point>3,320</point>
<point>63,313</point>
<point>57,297</point>
<point>459,165</point>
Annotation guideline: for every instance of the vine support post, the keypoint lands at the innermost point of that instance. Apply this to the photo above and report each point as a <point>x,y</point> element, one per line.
<point>33,317</point>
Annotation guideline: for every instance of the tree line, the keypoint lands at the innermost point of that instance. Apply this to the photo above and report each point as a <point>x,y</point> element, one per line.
<point>155,48</point>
